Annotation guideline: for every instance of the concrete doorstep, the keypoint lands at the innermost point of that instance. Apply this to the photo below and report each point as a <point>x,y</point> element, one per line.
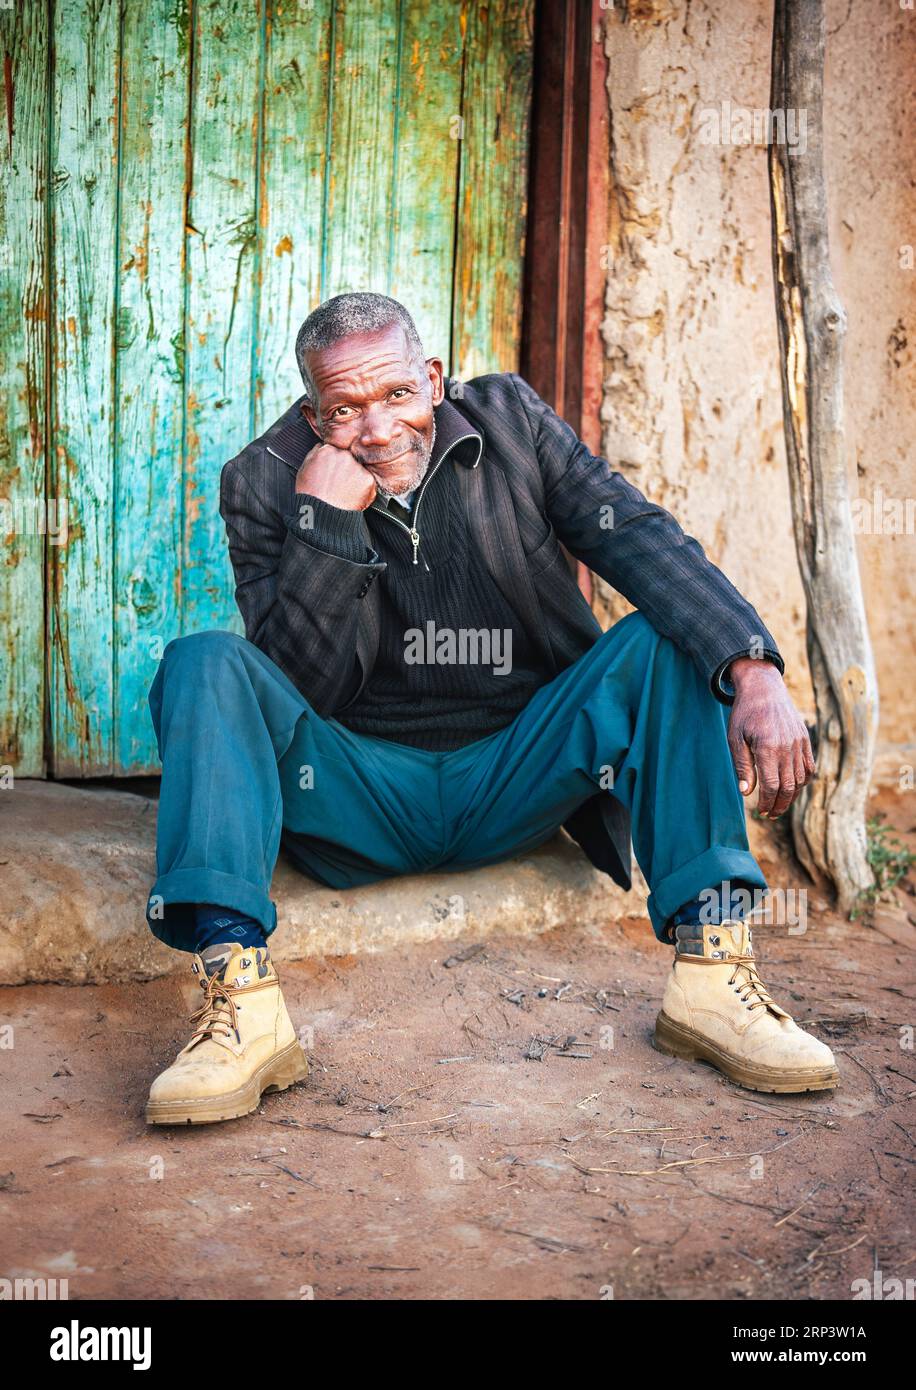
<point>77,863</point>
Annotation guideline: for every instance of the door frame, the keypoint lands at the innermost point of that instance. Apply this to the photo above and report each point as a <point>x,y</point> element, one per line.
<point>569,186</point>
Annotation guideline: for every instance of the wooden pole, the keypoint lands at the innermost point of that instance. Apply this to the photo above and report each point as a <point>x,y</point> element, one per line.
<point>828,821</point>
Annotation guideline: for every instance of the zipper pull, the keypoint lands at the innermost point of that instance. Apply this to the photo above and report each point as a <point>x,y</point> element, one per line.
<point>415,540</point>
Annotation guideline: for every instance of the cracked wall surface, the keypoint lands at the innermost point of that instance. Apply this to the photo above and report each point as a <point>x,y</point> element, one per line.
<point>692,409</point>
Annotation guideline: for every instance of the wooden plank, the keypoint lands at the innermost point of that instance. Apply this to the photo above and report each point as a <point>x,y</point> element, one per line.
<point>418,220</point>
<point>361,138</point>
<point>23,418</point>
<point>552,353</point>
<point>290,205</point>
<point>84,153</point>
<point>149,364</point>
<point>425,176</point>
<point>204,129</point>
<point>493,181</point>
<point>221,252</point>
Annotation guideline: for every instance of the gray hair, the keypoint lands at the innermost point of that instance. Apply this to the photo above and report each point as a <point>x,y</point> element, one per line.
<point>344,315</point>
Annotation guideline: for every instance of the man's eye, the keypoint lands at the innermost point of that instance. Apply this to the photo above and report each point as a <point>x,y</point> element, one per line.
<point>400,391</point>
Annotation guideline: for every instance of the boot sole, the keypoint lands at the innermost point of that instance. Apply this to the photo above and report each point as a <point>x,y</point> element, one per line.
<point>674,1040</point>
<point>276,1074</point>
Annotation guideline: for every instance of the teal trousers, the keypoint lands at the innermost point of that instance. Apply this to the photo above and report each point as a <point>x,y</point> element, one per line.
<point>245,758</point>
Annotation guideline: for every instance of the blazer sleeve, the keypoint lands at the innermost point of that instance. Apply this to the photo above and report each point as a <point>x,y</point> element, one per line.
<point>641,550</point>
<point>300,603</point>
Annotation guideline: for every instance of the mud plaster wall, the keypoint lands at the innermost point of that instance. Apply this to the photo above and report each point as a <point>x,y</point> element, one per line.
<point>692,410</point>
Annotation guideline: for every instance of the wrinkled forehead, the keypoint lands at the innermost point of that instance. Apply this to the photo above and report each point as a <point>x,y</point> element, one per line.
<point>363,364</point>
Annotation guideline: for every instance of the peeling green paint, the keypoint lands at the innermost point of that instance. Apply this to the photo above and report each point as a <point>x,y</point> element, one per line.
<point>180,17</point>
<point>176,370</point>
<point>204,173</point>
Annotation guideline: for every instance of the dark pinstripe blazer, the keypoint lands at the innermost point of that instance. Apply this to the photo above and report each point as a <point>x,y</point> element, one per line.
<point>528,484</point>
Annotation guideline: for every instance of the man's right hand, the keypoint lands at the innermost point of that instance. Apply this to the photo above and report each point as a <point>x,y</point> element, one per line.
<point>335,476</point>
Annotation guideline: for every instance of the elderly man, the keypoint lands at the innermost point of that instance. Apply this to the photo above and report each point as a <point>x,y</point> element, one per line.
<point>423,687</point>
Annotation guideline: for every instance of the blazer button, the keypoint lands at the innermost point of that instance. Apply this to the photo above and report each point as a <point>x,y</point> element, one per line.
<point>364,590</point>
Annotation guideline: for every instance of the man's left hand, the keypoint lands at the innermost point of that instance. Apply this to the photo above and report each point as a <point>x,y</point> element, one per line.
<point>767,737</point>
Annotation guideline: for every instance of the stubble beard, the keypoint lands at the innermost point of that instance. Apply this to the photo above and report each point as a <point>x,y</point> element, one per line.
<point>418,473</point>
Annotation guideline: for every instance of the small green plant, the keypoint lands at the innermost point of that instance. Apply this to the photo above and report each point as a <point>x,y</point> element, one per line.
<point>890,862</point>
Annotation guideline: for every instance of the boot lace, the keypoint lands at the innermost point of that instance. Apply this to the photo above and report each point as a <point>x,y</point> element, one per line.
<point>749,985</point>
<point>218,1014</point>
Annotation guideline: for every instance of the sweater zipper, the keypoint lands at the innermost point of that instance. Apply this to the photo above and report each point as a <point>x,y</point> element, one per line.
<point>412,531</point>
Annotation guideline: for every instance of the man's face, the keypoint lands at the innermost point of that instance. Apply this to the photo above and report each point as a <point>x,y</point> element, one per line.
<point>376,401</point>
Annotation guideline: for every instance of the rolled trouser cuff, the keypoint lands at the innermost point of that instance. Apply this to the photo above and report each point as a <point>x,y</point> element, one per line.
<point>170,909</point>
<point>720,864</point>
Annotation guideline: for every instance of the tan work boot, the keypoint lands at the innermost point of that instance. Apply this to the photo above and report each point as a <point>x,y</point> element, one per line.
<point>244,1043</point>
<point>717,1010</point>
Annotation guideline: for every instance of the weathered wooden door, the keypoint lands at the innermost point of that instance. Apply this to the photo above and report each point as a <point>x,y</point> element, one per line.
<point>182,181</point>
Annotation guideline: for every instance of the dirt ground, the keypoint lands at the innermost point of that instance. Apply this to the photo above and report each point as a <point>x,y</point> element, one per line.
<point>482,1121</point>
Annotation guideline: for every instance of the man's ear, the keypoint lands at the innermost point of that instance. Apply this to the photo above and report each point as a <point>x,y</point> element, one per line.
<point>309,412</point>
<point>435,371</point>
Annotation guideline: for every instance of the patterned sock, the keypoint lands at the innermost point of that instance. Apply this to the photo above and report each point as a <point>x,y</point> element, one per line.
<point>222,925</point>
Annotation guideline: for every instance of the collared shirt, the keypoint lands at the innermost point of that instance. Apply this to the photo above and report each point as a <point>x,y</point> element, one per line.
<point>404,499</point>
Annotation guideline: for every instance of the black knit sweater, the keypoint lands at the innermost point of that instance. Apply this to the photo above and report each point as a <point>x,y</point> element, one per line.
<point>434,706</point>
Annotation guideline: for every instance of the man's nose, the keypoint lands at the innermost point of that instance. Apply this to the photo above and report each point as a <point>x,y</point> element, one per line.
<point>376,428</point>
